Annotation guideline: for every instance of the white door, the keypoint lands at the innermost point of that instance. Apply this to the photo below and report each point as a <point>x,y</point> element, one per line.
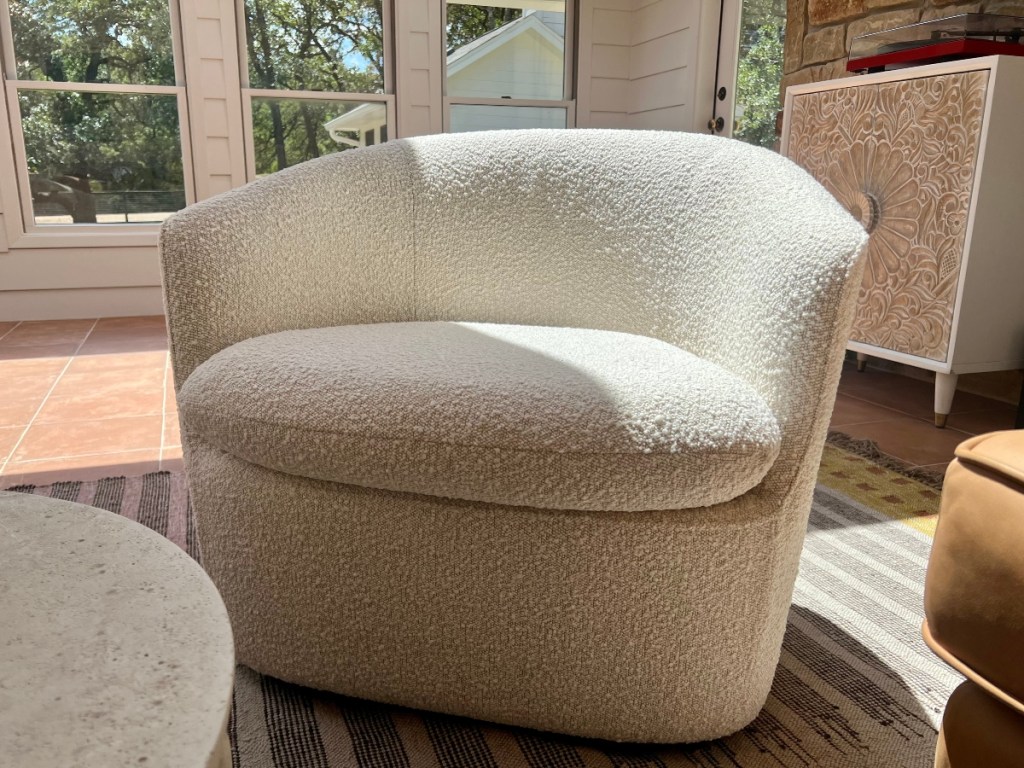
<point>648,63</point>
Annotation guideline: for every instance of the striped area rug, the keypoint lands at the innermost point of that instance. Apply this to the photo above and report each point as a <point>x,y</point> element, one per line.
<point>855,687</point>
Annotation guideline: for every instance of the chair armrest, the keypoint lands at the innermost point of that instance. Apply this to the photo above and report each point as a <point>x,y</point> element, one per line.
<point>324,243</point>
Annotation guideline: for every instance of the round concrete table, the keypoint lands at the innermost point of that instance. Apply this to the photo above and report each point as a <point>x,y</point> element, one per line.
<point>115,648</point>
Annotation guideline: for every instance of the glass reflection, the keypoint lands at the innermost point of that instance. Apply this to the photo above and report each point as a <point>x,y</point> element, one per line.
<point>102,157</point>
<point>290,131</point>
<point>93,41</point>
<point>506,53</point>
<point>472,117</point>
<point>315,45</point>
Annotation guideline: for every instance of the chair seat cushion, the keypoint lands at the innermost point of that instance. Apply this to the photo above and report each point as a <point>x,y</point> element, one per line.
<point>561,418</point>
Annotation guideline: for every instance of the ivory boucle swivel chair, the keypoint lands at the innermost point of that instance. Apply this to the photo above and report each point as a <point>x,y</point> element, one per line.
<point>522,426</point>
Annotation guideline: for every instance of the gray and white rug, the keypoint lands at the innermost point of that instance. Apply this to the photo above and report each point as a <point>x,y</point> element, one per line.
<point>856,685</point>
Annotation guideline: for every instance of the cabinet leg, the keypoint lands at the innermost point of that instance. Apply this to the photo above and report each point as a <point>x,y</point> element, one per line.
<point>862,361</point>
<point>945,388</point>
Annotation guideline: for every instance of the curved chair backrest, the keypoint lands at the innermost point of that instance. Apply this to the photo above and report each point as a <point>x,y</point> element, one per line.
<point>729,251</point>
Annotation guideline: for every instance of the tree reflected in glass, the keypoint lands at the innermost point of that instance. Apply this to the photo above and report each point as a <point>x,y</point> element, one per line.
<point>315,45</point>
<point>102,157</point>
<point>308,129</point>
<point>106,154</point>
<point>308,45</point>
<point>93,41</point>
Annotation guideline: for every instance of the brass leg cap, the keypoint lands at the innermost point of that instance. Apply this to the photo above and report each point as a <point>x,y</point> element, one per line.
<point>940,420</point>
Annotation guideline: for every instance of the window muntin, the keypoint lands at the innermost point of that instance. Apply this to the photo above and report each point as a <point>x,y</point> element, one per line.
<point>97,117</point>
<point>316,78</point>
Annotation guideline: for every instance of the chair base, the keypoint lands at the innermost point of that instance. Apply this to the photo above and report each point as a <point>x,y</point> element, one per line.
<point>632,626</point>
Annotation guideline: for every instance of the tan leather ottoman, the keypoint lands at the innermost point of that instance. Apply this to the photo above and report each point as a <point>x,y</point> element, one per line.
<point>974,602</point>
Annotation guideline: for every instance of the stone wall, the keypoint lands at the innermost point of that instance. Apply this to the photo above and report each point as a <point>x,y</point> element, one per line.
<point>818,32</point>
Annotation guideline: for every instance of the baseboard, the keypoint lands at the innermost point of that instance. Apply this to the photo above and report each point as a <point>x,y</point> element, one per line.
<point>70,304</point>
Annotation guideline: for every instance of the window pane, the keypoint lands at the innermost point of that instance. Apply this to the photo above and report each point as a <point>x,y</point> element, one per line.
<point>471,117</point>
<point>93,41</point>
<point>102,157</point>
<point>315,45</point>
<point>290,131</point>
<point>506,52</point>
<point>759,71</point>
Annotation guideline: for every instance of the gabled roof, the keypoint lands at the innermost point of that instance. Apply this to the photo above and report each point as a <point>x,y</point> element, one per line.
<point>374,111</point>
<point>531,20</point>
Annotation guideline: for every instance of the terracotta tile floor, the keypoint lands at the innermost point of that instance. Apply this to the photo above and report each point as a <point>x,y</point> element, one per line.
<point>81,399</point>
<point>896,413</point>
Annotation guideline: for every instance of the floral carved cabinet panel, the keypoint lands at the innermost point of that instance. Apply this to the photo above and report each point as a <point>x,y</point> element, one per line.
<point>901,157</point>
<point>929,159</point>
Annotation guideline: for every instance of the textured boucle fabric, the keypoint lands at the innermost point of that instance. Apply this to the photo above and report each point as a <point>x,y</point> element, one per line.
<point>564,418</point>
<point>617,230</point>
<point>636,625</point>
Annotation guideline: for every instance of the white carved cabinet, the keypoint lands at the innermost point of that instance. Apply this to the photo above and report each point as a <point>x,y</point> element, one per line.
<point>930,159</point>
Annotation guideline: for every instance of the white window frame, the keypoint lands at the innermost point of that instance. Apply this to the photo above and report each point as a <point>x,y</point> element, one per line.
<point>568,100</point>
<point>387,98</point>
<point>22,231</point>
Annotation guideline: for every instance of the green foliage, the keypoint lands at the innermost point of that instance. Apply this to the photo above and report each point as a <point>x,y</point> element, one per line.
<point>301,125</point>
<point>757,82</point>
<point>102,142</point>
<point>93,41</point>
<point>112,141</point>
<point>97,142</point>
<point>328,45</point>
<point>308,45</point>
<point>316,45</point>
<point>758,13</point>
<point>466,23</point>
